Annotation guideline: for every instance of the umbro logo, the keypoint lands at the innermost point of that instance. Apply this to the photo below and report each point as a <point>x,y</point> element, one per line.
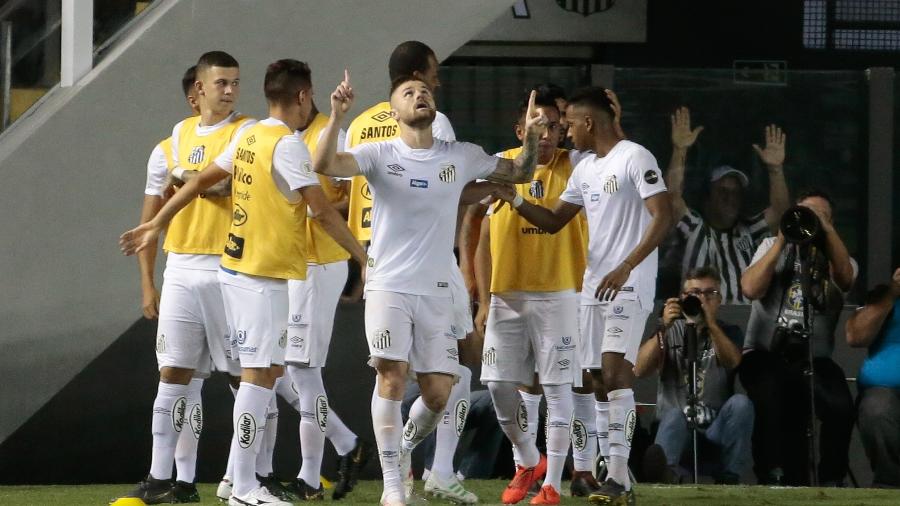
<point>251,140</point>
<point>395,170</point>
<point>614,330</point>
<point>382,116</point>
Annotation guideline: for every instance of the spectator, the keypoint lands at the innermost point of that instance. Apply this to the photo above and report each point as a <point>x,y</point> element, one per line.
<point>772,369</point>
<point>726,418</point>
<point>877,327</point>
<point>718,235</point>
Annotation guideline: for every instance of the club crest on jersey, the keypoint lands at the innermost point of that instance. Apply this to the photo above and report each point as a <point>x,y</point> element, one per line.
<point>448,173</point>
<point>610,184</point>
<point>282,341</point>
<point>196,156</point>
<point>161,343</point>
<point>537,189</point>
<point>489,357</point>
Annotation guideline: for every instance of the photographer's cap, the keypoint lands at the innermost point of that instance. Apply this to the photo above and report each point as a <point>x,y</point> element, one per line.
<point>727,170</point>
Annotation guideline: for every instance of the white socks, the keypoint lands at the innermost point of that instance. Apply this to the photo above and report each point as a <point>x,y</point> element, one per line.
<point>186,449</point>
<point>267,447</point>
<point>229,467</point>
<point>387,421</point>
<point>169,412</point>
<point>602,410</point>
<point>342,438</point>
<point>531,404</point>
<point>314,417</point>
<point>559,417</point>
<point>622,419</point>
<point>584,432</point>
<point>250,407</point>
<point>514,421</point>
<point>451,424</point>
<point>422,421</point>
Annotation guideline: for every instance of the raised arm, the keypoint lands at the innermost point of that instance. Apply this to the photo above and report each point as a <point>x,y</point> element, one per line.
<point>147,233</point>
<point>522,167</point>
<point>757,277</point>
<point>327,160</point>
<point>332,222</point>
<point>682,139</point>
<point>773,157</point>
<point>865,324</point>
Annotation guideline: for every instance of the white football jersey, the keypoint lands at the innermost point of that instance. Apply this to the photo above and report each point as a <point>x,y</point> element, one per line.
<point>612,190</point>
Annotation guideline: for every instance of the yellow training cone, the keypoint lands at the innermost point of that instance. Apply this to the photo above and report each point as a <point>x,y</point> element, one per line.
<point>127,501</point>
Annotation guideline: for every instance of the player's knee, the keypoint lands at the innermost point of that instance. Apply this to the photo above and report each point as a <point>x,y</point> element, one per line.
<point>176,375</point>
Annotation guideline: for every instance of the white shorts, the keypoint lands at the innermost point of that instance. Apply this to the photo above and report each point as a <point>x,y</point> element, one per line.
<point>527,336</point>
<point>313,302</point>
<point>462,305</point>
<point>192,329</point>
<point>417,329</point>
<point>611,327</point>
<point>257,313</point>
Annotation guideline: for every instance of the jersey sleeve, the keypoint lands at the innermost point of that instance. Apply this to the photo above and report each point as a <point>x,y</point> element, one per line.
<point>763,248</point>
<point>366,156</point>
<point>157,172</point>
<point>176,135</point>
<point>442,129</point>
<point>292,164</point>
<point>644,173</point>
<point>476,163</point>
<point>572,194</point>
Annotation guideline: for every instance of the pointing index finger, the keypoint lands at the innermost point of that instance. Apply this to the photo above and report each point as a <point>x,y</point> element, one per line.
<point>531,99</point>
<point>347,76</point>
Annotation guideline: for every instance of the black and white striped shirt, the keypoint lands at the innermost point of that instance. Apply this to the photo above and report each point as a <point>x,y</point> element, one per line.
<point>729,251</point>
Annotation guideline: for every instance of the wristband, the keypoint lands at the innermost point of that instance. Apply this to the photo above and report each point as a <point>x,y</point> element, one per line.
<point>178,172</point>
<point>517,201</point>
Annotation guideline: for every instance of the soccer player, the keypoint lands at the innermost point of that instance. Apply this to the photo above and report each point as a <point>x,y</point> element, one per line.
<point>416,181</point>
<point>414,58</point>
<point>529,280</point>
<point>313,302</point>
<point>628,213</point>
<point>272,186</point>
<point>191,314</point>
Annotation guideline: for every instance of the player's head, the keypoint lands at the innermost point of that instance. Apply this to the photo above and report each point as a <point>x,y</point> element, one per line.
<point>288,88</point>
<point>551,135</point>
<point>558,95</point>
<point>412,102</point>
<point>190,91</point>
<point>414,58</point>
<point>590,115</point>
<point>218,82</point>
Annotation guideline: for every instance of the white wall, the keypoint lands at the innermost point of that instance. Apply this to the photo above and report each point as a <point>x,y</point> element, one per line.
<point>74,169</point>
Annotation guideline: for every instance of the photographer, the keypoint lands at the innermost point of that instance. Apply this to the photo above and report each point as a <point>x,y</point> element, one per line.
<point>790,278</point>
<point>724,418</point>
<point>876,326</point>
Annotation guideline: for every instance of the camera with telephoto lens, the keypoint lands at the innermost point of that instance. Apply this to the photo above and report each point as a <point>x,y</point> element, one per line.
<point>692,308</point>
<point>800,225</point>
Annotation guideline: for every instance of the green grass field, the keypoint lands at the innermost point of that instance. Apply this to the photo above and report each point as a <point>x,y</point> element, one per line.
<point>368,492</point>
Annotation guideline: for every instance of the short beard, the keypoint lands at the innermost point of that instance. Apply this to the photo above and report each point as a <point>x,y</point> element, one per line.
<point>419,122</point>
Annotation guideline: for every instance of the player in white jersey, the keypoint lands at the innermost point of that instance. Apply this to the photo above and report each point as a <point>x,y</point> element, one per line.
<point>416,182</point>
<point>191,328</point>
<point>629,213</point>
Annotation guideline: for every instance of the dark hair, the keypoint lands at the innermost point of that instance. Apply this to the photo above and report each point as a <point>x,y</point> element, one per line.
<point>551,90</point>
<point>409,57</point>
<point>815,192</point>
<point>542,99</point>
<point>593,97</point>
<point>216,59</point>
<point>401,80</point>
<point>188,79</point>
<point>704,272</point>
<point>284,78</point>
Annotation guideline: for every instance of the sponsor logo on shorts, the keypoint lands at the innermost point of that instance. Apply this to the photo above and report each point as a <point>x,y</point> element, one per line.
<point>447,173</point>
<point>395,170</point>
<point>610,184</point>
<point>370,262</point>
<point>296,318</point>
<point>296,341</point>
<point>618,313</point>
<point>454,330</point>
<point>322,412</point>
<point>196,420</point>
<point>197,154</point>
<point>566,339</point>
<point>522,417</point>
<point>241,336</point>
<point>489,357</point>
<point>246,430</point>
<point>178,411</point>
<point>282,340</point>
<point>537,189</point>
<point>418,183</point>
<point>161,343</point>
<point>651,176</point>
<point>443,284</point>
<point>614,330</point>
<point>382,339</point>
<point>307,167</point>
<point>410,430</point>
<point>630,421</point>
<point>595,197</point>
<point>461,411</point>
<point>564,364</point>
<point>452,353</point>
<point>579,435</point>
